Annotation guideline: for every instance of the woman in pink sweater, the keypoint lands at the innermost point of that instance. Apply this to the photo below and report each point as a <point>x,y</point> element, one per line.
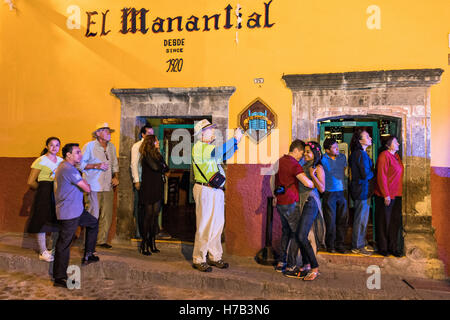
<point>388,199</point>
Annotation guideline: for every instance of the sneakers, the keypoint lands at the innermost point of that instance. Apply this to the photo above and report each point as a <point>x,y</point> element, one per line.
<point>369,248</point>
<point>362,251</point>
<point>203,267</point>
<point>292,272</point>
<point>219,264</point>
<point>91,258</point>
<point>295,272</point>
<point>280,267</point>
<point>46,256</point>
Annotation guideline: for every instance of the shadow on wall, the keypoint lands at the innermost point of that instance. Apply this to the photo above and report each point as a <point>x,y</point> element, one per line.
<point>262,209</point>
<point>246,209</point>
<point>25,211</point>
<point>27,204</point>
<point>16,197</point>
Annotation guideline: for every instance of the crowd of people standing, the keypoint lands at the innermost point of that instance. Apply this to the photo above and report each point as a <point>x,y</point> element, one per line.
<point>72,191</point>
<point>77,190</point>
<point>309,190</point>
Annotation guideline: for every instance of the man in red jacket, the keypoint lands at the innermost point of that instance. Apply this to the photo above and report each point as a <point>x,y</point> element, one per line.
<point>290,172</point>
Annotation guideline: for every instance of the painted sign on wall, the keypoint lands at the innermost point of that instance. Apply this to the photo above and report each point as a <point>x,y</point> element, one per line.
<point>134,20</point>
<point>257,120</point>
<point>141,21</point>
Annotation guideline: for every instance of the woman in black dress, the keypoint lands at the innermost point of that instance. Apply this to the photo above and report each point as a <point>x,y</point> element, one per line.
<point>151,192</point>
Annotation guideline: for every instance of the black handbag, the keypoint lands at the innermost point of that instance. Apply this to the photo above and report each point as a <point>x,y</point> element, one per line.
<point>216,180</point>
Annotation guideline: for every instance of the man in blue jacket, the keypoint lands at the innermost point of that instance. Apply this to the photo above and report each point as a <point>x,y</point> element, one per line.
<point>361,188</point>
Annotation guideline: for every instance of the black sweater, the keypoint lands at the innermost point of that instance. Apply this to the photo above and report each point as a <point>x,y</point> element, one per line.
<point>152,185</point>
<point>362,183</point>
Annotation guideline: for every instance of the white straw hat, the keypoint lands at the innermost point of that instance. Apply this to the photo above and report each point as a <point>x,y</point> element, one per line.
<point>202,125</point>
<point>102,125</point>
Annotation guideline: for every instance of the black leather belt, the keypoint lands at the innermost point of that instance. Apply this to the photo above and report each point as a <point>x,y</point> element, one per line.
<point>207,185</point>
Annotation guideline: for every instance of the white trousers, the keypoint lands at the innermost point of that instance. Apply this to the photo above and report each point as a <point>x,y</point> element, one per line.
<point>209,211</point>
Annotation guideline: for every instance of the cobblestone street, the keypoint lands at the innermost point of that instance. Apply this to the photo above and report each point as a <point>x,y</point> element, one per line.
<point>163,158</point>
<point>18,286</point>
<point>123,274</point>
<point>21,286</point>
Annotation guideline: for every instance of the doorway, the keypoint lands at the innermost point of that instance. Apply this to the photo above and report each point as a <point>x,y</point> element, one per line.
<point>140,104</point>
<point>341,129</point>
<point>177,217</point>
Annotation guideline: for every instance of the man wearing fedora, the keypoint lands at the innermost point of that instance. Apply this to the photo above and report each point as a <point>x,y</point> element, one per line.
<point>209,194</point>
<point>101,169</point>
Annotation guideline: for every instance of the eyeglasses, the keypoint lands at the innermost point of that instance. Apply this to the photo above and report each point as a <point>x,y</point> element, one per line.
<point>106,155</point>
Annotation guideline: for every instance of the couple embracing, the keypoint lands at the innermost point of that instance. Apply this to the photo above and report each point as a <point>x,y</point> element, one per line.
<point>296,189</point>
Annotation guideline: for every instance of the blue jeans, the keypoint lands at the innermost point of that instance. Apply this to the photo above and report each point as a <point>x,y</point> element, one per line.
<point>309,214</point>
<point>289,225</point>
<point>362,209</point>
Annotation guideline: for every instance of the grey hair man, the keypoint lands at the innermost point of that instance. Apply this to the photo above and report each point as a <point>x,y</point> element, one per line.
<point>101,169</point>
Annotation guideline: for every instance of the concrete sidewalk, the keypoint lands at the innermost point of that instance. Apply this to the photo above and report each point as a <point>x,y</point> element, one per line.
<point>342,276</point>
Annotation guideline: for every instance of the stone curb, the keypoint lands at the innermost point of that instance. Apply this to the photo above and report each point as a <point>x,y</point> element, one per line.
<point>342,275</point>
<point>215,281</point>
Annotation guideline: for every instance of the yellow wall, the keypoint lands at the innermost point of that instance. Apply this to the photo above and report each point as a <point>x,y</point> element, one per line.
<point>55,81</point>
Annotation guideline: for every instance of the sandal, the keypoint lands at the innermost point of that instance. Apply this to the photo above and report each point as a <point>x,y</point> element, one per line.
<point>311,276</point>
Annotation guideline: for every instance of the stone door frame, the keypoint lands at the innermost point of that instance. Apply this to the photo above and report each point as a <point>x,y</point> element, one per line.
<point>159,102</point>
<point>403,94</point>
